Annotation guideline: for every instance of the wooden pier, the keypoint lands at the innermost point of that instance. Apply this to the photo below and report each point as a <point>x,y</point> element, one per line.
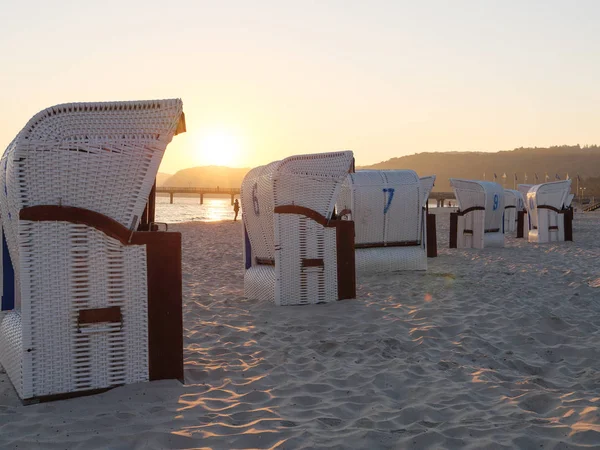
<point>201,191</point>
<point>440,197</point>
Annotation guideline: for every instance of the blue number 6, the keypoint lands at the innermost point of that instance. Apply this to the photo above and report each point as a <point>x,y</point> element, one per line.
<point>390,191</point>
<point>255,199</point>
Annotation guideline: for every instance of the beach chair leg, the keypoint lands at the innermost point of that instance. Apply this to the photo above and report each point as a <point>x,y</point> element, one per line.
<point>431,236</point>
<point>520,223</point>
<point>453,230</point>
<point>346,265</point>
<point>568,215</point>
<point>165,321</point>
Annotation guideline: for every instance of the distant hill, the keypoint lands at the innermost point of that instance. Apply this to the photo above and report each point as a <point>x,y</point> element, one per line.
<point>560,160</point>
<point>161,178</point>
<point>207,176</point>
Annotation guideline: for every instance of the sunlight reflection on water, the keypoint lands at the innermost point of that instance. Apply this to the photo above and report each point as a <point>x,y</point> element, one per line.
<point>187,209</point>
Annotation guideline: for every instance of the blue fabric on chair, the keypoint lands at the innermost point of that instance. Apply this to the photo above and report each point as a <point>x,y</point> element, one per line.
<point>8,279</point>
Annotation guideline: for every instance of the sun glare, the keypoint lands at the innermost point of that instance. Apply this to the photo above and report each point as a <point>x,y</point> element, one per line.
<point>219,149</point>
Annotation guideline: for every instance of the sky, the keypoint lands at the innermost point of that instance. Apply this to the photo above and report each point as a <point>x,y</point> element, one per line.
<point>262,80</point>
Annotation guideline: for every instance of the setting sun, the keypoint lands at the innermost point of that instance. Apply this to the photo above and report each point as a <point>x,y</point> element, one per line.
<point>219,148</point>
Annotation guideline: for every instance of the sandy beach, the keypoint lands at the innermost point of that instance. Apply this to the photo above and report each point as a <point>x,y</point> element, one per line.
<point>488,349</point>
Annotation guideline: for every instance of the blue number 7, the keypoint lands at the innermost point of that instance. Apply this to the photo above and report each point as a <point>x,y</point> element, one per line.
<point>389,200</point>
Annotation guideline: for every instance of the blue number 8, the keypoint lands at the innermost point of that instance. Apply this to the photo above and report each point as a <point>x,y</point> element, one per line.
<point>495,202</point>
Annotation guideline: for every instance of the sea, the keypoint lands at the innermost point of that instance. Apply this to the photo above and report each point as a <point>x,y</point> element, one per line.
<point>189,209</point>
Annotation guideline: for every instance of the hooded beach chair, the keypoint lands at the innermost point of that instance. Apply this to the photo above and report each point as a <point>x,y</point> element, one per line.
<point>295,251</point>
<point>550,219</point>
<point>479,220</point>
<point>389,219</point>
<point>93,304</point>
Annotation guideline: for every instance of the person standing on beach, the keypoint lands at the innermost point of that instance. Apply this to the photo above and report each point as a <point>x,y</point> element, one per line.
<point>236,208</point>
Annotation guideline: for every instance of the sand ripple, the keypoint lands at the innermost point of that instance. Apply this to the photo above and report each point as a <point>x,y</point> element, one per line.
<point>492,349</point>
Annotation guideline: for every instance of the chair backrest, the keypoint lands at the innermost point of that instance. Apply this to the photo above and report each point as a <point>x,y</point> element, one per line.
<point>513,197</point>
<point>427,184</point>
<point>569,200</point>
<point>311,181</point>
<point>524,189</point>
<point>553,195</point>
<point>257,210</point>
<point>386,205</point>
<point>99,156</point>
<point>481,194</point>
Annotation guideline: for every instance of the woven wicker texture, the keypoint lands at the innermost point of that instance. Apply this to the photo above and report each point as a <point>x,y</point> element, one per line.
<point>257,210</point>
<point>301,238</point>
<point>102,157</point>
<point>11,350</point>
<point>99,156</point>
<point>546,224</point>
<point>66,268</point>
<point>310,181</point>
<point>259,282</point>
<point>475,227</point>
<point>387,207</point>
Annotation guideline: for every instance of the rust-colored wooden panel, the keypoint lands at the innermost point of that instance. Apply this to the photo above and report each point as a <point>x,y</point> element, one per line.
<point>71,214</point>
<point>472,208</point>
<point>99,315</point>
<point>152,204</point>
<point>265,261</point>
<point>315,262</point>
<point>431,236</point>
<point>303,211</point>
<point>165,321</point>
<point>569,224</point>
<point>389,244</point>
<point>551,208</point>
<point>346,269</point>
<point>520,223</point>
<point>454,230</point>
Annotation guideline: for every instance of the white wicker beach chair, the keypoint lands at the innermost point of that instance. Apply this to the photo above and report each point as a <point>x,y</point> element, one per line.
<point>73,186</point>
<point>546,207</point>
<point>513,203</point>
<point>479,220</point>
<point>389,218</point>
<point>295,253</point>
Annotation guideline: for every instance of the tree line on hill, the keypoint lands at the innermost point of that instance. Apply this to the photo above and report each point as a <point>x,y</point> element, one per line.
<point>560,160</point>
